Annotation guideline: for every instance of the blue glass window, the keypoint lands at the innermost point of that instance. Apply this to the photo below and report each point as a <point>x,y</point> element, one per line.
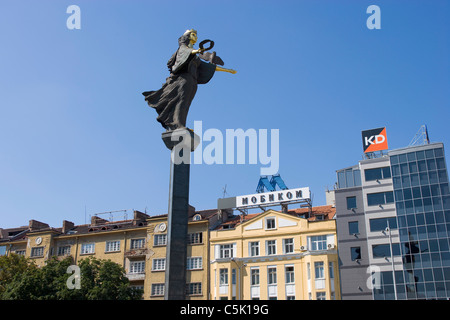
<point>353,227</point>
<point>379,198</point>
<point>431,164</point>
<point>380,224</point>
<point>377,173</point>
<point>429,153</point>
<point>383,250</point>
<point>439,152</point>
<point>351,203</point>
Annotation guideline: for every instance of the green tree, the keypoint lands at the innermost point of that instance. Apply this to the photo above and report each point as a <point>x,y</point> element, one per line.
<point>100,280</point>
<point>12,268</point>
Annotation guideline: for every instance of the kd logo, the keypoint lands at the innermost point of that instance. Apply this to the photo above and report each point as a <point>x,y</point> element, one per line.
<point>374,140</point>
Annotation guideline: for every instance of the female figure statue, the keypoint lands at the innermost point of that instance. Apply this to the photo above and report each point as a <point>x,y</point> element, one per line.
<point>187,70</point>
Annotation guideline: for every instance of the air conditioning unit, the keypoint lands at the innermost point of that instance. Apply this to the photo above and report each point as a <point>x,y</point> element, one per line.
<point>302,248</point>
<point>331,246</point>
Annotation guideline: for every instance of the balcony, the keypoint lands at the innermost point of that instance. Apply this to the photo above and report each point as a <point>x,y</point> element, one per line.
<point>136,276</point>
<point>136,253</point>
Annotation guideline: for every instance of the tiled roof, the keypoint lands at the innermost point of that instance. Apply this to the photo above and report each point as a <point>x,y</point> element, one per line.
<point>328,212</point>
<point>97,225</point>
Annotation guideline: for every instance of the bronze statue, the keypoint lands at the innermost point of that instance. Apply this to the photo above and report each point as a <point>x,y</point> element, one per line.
<point>187,70</point>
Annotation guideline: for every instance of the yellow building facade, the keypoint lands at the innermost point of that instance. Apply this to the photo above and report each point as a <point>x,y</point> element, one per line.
<point>197,281</point>
<point>139,245</point>
<point>274,255</point>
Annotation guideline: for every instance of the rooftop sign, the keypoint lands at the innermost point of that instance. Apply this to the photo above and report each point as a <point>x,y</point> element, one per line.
<point>374,140</point>
<point>265,199</point>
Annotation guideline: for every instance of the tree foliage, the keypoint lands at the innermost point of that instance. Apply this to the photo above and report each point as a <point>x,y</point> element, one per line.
<point>21,279</point>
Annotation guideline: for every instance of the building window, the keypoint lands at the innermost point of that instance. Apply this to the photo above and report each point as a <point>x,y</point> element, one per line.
<point>159,264</point>
<point>384,250</point>
<point>319,270</point>
<point>37,252</point>
<point>19,252</point>
<point>331,269</point>
<point>351,203</point>
<point>195,238</point>
<point>320,217</point>
<point>233,276</point>
<point>355,253</point>
<point>137,243</point>
<point>88,248</point>
<point>157,289</point>
<point>226,251</point>
<point>377,173</point>
<point>380,224</point>
<point>223,276</point>
<point>112,246</point>
<point>320,295</point>
<point>272,282</point>
<point>318,243</point>
<point>379,198</point>
<point>253,248</point>
<point>254,276</point>
<point>160,239</point>
<point>288,245</point>
<point>194,263</point>
<point>271,246</point>
<point>353,227</point>
<point>137,267</point>
<point>194,288</point>
<point>64,251</point>
<point>271,275</point>
<point>289,272</point>
<point>270,223</point>
<point>348,178</point>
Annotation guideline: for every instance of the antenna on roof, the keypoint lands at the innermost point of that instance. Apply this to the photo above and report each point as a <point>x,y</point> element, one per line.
<point>421,137</point>
<point>224,191</point>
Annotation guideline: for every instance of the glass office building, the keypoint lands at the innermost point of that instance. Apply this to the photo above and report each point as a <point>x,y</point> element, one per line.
<point>407,190</point>
<point>422,202</point>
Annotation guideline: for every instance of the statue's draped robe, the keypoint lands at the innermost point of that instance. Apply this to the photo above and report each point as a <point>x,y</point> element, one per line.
<point>173,100</point>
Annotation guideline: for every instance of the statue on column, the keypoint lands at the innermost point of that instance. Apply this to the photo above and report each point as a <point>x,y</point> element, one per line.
<point>188,68</point>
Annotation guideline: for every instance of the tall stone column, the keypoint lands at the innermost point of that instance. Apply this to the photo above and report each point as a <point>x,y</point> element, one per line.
<point>181,143</point>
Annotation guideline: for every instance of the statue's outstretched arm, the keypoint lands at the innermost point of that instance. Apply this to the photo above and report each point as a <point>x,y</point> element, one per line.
<point>225,70</point>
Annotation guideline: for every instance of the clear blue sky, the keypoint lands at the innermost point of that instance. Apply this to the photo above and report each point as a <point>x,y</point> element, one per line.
<point>76,132</point>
